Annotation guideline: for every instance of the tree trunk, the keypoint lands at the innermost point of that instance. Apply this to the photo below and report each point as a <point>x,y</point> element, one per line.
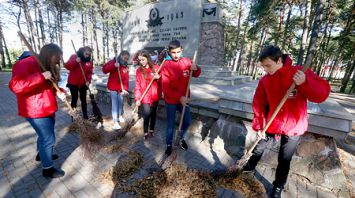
<point>32,30</point>
<point>2,54</point>
<point>285,36</point>
<point>335,64</point>
<point>60,23</point>
<point>83,27</point>
<point>249,58</point>
<point>307,14</point>
<point>6,50</point>
<point>282,14</point>
<point>257,52</point>
<point>240,13</point>
<point>322,50</point>
<point>314,35</point>
<point>51,36</point>
<point>36,24</point>
<point>239,66</point>
<point>94,31</point>
<point>41,24</point>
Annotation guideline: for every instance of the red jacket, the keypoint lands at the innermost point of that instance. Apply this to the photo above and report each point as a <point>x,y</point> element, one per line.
<point>154,92</point>
<point>35,95</point>
<point>175,77</point>
<point>292,118</point>
<point>75,74</point>
<point>113,83</point>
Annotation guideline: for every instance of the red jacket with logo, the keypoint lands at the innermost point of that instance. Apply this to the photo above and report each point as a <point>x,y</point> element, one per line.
<point>154,92</point>
<point>76,77</point>
<point>292,118</point>
<point>175,78</point>
<point>113,83</point>
<point>35,95</point>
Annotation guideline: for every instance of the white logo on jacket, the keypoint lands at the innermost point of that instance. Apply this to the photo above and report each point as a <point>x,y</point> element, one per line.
<point>185,73</point>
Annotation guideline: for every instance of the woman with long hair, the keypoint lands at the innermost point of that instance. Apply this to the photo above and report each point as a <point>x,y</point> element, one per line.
<point>37,103</point>
<point>147,71</point>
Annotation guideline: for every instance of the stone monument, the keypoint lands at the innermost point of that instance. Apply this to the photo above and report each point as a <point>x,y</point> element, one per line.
<point>196,24</point>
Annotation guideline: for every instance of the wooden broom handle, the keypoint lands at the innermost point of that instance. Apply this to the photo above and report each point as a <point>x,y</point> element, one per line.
<point>187,91</point>
<point>42,66</point>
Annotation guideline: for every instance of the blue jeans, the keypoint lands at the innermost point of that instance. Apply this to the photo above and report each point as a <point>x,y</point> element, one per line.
<point>117,105</point>
<point>44,128</point>
<point>170,113</point>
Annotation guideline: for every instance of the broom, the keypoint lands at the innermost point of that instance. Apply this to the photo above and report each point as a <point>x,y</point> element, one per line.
<point>95,108</point>
<point>89,135</point>
<point>236,169</point>
<point>178,132</point>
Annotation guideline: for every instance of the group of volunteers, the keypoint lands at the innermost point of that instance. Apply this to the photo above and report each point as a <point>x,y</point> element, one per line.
<point>32,84</point>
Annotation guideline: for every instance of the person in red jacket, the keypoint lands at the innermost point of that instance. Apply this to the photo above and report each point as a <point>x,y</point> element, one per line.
<point>291,121</point>
<point>175,79</point>
<point>145,73</point>
<point>113,84</point>
<point>37,103</point>
<point>80,64</point>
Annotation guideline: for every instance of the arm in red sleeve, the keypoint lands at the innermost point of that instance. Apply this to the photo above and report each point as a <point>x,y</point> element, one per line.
<point>260,106</point>
<point>197,72</point>
<point>137,88</point>
<point>89,73</point>
<point>125,79</point>
<point>316,89</point>
<point>109,67</point>
<point>71,64</point>
<point>21,84</point>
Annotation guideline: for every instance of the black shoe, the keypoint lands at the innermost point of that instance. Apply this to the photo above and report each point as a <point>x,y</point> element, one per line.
<point>276,192</point>
<point>168,150</point>
<point>52,173</point>
<point>54,157</point>
<point>183,145</point>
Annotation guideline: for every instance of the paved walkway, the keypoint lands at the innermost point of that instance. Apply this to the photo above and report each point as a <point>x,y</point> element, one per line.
<point>20,174</point>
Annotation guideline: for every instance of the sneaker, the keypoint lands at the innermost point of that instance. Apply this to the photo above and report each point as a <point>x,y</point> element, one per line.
<point>168,150</point>
<point>146,136</point>
<point>121,119</point>
<point>183,145</point>
<point>116,126</point>
<point>276,192</point>
<point>52,172</point>
<point>54,157</point>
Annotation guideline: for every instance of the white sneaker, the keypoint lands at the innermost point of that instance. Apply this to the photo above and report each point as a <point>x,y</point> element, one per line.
<point>121,119</point>
<point>116,126</point>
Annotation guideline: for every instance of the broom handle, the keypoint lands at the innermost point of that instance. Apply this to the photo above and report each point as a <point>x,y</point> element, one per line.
<point>119,74</point>
<point>148,87</point>
<point>274,114</point>
<point>42,67</point>
<point>81,68</point>
<point>187,91</point>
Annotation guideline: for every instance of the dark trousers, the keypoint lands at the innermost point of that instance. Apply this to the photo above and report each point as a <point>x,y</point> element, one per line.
<point>74,92</point>
<point>149,114</point>
<point>170,118</point>
<point>287,149</point>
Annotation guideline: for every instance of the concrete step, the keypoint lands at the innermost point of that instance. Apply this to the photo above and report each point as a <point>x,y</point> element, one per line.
<point>211,73</point>
<point>215,68</point>
<point>231,81</point>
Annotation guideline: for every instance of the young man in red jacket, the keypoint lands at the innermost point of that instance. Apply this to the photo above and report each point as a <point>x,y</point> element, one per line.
<point>147,71</point>
<point>291,121</point>
<point>37,103</point>
<point>77,82</point>
<point>175,79</point>
<point>114,85</point>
